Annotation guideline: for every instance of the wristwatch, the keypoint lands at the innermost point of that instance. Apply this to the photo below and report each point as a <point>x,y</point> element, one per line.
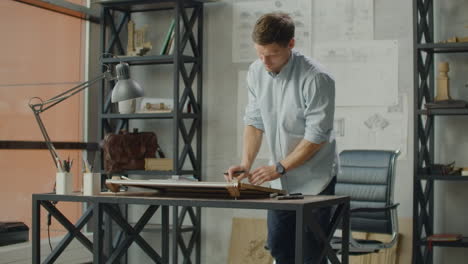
<point>280,168</point>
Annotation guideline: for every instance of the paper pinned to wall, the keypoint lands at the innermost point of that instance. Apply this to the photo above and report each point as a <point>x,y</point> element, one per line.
<point>242,100</point>
<point>366,72</point>
<point>373,127</point>
<point>343,20</point>
<point>246,13</point>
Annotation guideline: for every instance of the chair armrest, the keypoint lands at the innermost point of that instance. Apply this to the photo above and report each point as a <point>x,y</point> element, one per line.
<point>374,209</point>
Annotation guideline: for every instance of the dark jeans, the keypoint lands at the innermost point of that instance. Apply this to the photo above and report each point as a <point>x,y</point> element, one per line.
<point>282,233</point>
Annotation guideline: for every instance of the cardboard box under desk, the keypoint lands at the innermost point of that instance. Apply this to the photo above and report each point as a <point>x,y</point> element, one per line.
<point>158,164</point>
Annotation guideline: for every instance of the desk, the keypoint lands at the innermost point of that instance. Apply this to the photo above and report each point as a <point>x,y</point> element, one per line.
<point>106,204</point>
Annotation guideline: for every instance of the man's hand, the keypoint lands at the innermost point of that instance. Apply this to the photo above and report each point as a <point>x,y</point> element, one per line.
<point>232,173</point>
<point>264,174</point>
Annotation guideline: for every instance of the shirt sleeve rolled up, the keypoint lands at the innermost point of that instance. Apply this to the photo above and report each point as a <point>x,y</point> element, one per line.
<point>253,116</point>
<point>319,95</point>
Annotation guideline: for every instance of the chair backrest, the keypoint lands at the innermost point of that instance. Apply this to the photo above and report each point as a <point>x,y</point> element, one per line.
<point>368,177</point>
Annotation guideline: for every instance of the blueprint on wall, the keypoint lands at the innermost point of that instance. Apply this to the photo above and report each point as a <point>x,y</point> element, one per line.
<point>246,13</point>
<point>366,72</point>
<point>373,127</point>
<point>343,20</point>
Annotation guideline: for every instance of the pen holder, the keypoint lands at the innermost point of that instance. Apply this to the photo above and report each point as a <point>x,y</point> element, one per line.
<point>91,183</point>
<point>63,183</point>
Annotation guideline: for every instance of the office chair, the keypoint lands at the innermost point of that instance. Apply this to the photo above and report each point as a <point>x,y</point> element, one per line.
<point>368,177</point>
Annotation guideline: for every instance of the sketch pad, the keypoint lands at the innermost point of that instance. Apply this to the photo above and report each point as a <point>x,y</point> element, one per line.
<point>196,189</point>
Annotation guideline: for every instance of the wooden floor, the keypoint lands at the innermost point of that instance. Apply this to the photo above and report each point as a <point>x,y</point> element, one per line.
<point>22,253</point>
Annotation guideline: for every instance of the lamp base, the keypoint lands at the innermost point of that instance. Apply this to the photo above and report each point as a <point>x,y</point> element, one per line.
<point>127,106</point>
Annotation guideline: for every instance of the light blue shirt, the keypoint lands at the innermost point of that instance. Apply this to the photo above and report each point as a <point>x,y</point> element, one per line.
<point>297,103</point>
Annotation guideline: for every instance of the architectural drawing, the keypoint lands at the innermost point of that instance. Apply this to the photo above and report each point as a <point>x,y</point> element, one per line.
<point>246,13</point>
<point>339,127</point>
<point>372,128</point>
<point>376,122</point>
<point>366,72</point>
<point>343,20</point>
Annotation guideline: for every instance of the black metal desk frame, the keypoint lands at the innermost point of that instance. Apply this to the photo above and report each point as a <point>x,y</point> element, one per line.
<point>98,205</point>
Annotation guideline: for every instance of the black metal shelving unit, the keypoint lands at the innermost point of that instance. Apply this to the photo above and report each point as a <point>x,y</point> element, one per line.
<point>423,189</point>
<point>187,90</point>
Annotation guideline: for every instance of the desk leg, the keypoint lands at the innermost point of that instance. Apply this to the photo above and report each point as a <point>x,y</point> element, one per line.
<point>165,234</point>
<point>175,233</point>
<point>98,235</point>
<point>345,234</point>
<point>300,241</point>
<point>198,249</point>
<point>36,231</point>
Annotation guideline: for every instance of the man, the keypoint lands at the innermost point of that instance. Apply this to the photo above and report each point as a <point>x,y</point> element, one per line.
<point>291,101</point>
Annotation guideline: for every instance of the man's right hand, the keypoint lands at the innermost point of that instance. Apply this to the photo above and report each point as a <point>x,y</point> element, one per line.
<point>238,171</point>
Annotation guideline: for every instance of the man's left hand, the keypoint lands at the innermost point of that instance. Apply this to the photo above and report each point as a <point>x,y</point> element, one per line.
<point>264,174</point>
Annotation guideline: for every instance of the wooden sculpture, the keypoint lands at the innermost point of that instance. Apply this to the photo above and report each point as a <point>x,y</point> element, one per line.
<point>443,93</point>
<point>136,44</point>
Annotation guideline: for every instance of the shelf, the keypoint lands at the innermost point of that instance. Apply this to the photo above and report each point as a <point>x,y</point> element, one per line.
<point>158,228</point>
<point>142,5</point>
<point>155,173</point>
<point>147,60</point>
<point>441,177</point>
<point>138,116</point>
<point>444,111</point>
<point>462,243</point>
<point>148,116</point>
<point>443,47</point>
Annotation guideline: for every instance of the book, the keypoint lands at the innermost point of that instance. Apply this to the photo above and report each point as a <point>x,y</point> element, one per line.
<point>170,46</point>
<point>444,237</point>
<point>164,48</point>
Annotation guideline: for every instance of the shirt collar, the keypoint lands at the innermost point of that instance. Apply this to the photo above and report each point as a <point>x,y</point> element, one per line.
<point>286,68</point>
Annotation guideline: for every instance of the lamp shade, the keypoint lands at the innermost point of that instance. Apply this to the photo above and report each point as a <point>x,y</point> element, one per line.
<point>125,88</point>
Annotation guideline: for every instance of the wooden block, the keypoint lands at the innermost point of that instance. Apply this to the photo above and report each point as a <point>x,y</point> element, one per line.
<point>248,238</point>
<point>384,256</point>
<point>158,164</point>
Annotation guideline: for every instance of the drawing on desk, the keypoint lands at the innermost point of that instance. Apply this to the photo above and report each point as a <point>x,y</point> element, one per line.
<point>246,13</point>
<point>232,189</point>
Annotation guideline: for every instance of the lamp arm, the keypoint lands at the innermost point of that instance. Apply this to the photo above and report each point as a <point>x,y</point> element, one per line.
<point>39,108</point>
<point>50,146</point>
<point>44,105</point>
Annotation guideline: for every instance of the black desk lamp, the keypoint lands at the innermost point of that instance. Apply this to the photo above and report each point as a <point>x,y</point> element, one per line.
<point>124,89</point>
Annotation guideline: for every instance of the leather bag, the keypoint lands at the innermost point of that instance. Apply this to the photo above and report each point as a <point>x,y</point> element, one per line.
<point>127,151</point>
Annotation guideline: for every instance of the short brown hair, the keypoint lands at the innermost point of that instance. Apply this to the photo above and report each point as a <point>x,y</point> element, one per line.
<point>273,28</point>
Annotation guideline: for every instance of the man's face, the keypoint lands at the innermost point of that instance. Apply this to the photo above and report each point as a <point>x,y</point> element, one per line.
<point>274,56</point>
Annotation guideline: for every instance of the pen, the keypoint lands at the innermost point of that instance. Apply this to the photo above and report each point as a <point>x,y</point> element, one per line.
<point>235,173</point>
<point>290,196</point>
